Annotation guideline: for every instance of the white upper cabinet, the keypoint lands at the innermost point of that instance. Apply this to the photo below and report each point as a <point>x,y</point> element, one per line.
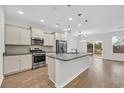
<point>60,36</point>
<point>48,39</point>
<point>51,39</point>
<point>17,36</point>
<point>25,37</point>
<point>12,35</point>
<point>38,33</point>
<point>63,36</point>
<point>57,36</point>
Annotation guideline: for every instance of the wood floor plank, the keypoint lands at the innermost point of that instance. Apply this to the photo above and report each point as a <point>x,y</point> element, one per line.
<point>101,74</point>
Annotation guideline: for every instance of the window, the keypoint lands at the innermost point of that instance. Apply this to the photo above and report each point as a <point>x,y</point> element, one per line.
<point>118,44</point>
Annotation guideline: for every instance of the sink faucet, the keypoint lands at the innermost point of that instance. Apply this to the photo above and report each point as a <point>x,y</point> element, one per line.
<point>75,50</point>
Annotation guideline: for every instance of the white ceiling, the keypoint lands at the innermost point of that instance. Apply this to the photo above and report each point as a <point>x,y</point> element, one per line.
<point>100,18</point>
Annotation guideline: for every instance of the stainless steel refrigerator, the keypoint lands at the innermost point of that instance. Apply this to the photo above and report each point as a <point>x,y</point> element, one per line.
<point>61,46</point>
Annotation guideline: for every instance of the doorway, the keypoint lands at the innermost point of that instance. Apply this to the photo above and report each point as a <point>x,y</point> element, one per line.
<point>98,49</point>
<point>95,48</point>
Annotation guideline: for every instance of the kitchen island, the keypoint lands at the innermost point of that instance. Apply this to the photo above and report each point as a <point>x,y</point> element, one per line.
<point>63,68</point>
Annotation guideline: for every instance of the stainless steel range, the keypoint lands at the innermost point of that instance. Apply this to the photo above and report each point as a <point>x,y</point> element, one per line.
<point>39,58</point>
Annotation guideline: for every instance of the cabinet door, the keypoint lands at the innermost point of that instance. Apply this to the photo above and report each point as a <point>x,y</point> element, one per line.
<point>25,37</point>
<point>51,39</point>
<point>57,36</point>
<point>11,64</point>
<point>63,36</point>
<point>12,35</point>
<point>25,62</point>
<point>46,39</point>
<point>60,36</point>
<point>37,33</point>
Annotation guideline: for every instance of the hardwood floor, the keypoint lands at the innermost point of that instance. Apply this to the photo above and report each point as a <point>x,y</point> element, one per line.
<point>101,74</point>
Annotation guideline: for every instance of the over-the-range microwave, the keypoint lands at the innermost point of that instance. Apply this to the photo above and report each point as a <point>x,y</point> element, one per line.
<point>37,41</point>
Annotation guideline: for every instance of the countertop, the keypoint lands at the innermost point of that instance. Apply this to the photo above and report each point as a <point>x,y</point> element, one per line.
<point>67,56</point>
<point>16,54</point>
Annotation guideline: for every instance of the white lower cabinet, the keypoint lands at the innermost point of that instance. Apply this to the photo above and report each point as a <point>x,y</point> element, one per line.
<point>11,64</point>
<point>25,62</point>
<point>14,64</point>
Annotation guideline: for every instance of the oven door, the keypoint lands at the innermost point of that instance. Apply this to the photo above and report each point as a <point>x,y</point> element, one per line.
<point>39,58</point>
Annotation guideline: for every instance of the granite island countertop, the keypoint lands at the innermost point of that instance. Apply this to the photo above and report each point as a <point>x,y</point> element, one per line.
<point>67,56</point>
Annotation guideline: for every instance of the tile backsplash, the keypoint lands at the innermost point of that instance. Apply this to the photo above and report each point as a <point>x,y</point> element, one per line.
<point>13,49</point>
<point>22,49</point>
<point>47,49</point>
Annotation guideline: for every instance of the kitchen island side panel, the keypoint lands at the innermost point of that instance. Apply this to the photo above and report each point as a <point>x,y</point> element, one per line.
<point>63,72</point>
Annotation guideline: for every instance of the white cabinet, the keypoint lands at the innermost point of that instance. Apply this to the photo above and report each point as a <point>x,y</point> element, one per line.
<point>25,62</point>
<point>12,35</point>
<point>63,36</point>
<point>38,33</point>
<point>59,36</point>
<point>48,39</point>
<point>17,36</point>
<point>11,64</point>
<point>51,39</point>
<point>25,37</point>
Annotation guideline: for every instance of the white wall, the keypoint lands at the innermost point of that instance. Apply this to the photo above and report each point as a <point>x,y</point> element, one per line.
<point>107,45</point>
<point>76,42</point>
<point>71,41</point>
<point>81,44</point>
<point>1,42</point>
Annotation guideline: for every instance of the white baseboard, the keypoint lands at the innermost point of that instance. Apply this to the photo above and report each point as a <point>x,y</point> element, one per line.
<point>1,80</point>
<point>52,80</point>
<point>69,80</point>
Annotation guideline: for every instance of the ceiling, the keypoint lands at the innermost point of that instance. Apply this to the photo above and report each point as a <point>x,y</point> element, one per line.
<point>99,18</point>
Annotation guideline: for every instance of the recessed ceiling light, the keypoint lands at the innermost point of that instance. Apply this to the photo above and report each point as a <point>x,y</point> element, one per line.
<point>79,25</point>
<point>20,12</point>
<point>69,29</point>
<point>70,19</point>
<point>57,25</point>
<point>42,20</point>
